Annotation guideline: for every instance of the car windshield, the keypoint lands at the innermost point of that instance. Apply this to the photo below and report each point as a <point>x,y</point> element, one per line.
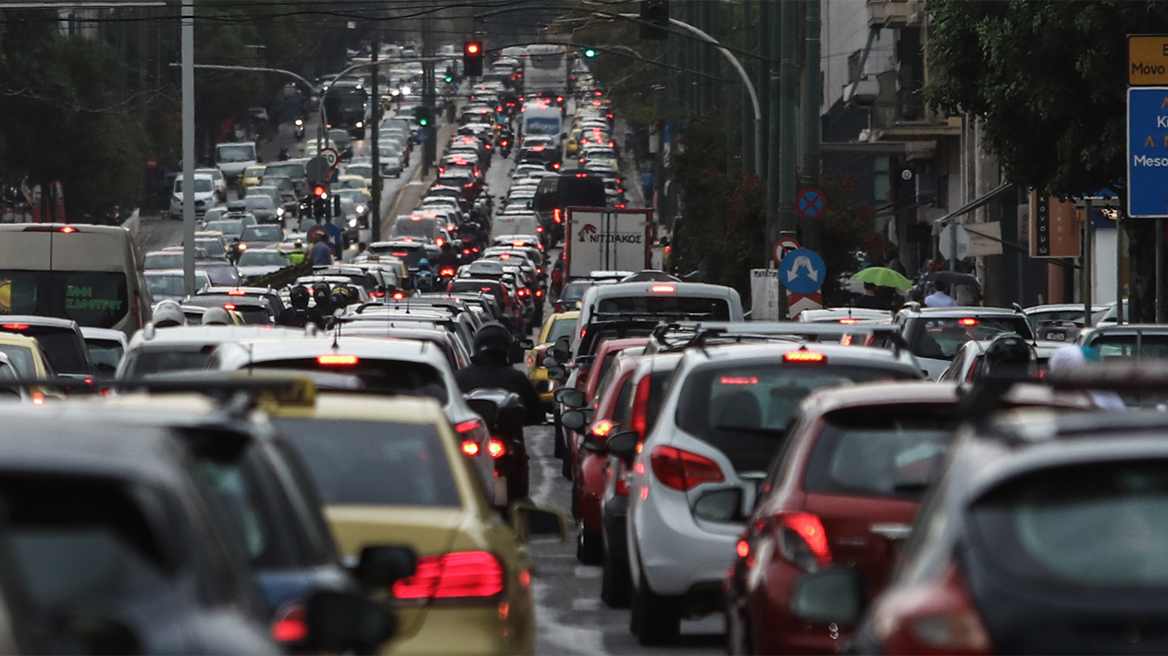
<point>561,327</point>
<point>715,309</point>
<point>743,408</point>
<point>105,353</point>
<point>942,337</point>
<point>202,185</point>
<point>262,233</point>
<point>160,361</point>
<point>364,463</point>
<point>259,202</point>
<point>229,228</point>
<point>252,258</point>
<point>1102,525</point>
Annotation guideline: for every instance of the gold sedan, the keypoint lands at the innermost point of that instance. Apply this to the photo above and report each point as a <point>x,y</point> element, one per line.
<point>558,325</point>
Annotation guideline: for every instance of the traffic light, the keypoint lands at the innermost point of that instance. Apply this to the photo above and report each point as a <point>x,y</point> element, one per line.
<point>655,20</point>
<point>590,52</point>
<point>424,115</point>
<point>449,74</point>
<point>472,58</point>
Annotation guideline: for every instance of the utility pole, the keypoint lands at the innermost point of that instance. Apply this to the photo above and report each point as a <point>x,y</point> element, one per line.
<point>188,144</point>
<point>428,147</point>
<point>763,76</point>
<point>812,95</point>
<point>374,127</point>
<point>773,47</point>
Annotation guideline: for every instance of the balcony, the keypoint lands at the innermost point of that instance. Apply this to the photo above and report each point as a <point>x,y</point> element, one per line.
<point>894,13</point>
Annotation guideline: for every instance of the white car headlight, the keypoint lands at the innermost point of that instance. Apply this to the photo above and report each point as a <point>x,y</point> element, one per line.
<point>360,209</point>
<point>352,223</point>
<point>279,211</point>
<point>359,125</point>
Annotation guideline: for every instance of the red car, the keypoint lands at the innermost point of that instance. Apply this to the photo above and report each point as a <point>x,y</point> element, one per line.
<point>845,492</point>
<point>590,471</point>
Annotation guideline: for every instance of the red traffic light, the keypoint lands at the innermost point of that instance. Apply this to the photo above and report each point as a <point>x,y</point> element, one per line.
<point>473,48</point>
<point>318,191</point>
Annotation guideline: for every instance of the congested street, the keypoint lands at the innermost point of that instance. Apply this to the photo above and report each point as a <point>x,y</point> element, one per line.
<point>542,327</point>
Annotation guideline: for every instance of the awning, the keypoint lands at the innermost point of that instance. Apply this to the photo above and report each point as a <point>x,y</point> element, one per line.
<point>976,203</point>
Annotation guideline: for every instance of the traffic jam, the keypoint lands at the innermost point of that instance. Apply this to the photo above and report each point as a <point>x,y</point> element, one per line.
<point>501,421</point>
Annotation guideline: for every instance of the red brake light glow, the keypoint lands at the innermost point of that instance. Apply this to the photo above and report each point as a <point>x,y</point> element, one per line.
<point>446,272</point>
<point>804,356</point>
<point>236,292</point>
<point>602,428</point>
<point>496,448</point>
<point>459,575</point>
<point>291,624</point>
<point>682,470</point>
<point>640,414</point>
<point>15,326</point>
<point>849,320</point>
<point>471,448</point>
<point>337,360</point>
<point>810,530</point>
<point>229,306</point>
<point>739,380</point>
<point>399,295</point>
<point>968,322</point>
<point>68,229</point>
<point>663,289</point>
<point>743,549</point>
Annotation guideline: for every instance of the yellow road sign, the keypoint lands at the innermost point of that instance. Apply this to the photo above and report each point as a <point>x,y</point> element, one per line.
<point>1147,60</point>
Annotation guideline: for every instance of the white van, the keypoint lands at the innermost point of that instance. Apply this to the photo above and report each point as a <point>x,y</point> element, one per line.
<point>233,157</point>
<point>205,196</point>
<point>87,273</point>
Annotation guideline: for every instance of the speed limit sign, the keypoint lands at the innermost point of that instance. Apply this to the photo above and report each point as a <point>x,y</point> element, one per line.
<point>331,156</point>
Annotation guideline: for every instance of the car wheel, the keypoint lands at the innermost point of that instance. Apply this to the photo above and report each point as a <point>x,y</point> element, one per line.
<point>658,620</point>
<point>615,581</point>
<point>589,547</point>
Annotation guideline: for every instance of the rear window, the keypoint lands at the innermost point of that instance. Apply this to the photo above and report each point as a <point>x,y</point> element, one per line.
<point>410,255</point>
<point>942,337</point>
<point>561,328</point>
<point>374,463</point>
<point>103,352</point>
<point>478,286</point>
<point>1097,525</point>
<point>1131,346</point>
<point>21,358</point>
<point>143,363</point>
<point>716,309</point>
<point>91,298</point>
<point>425,228</point>
<point>881,452</point>
<point>378,376</point>
<point>64,351</point>
<point>744,409</point>
<point>262,233</point>
<point>164,261</point>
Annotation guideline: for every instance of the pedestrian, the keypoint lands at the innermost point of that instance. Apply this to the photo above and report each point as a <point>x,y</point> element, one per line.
<point>629,142</point>
<point>870,300</point>
<point>321,254</point>
<point>940,297</point>
<point>362,247</point>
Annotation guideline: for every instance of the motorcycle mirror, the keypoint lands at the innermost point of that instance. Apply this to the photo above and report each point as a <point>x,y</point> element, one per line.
<point>526,344</point>
<point>572,398</point>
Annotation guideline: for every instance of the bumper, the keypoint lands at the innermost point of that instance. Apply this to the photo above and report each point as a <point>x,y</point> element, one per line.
<point>462,631</point>
<point>674,551</point>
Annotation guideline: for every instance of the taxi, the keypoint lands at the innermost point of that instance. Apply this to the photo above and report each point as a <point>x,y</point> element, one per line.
<point>390,471</point>
<point>354,182</point>
<point>251,177</point>
<point>557,325</point>
<point>26,355</point>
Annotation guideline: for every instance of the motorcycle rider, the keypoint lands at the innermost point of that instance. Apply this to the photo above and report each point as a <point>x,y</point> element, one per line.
<point>491,368</point>
<point>296,314</point>
<point>424,278</point>
<point>322,313</point>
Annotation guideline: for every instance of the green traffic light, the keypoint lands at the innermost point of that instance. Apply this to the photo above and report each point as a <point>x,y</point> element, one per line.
<point>424,122</point>
<point>590,53</point>
<point>449,79</point>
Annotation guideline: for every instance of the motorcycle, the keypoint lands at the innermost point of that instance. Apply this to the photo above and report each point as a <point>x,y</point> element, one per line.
<point>504,453</point>
<point>299,123</point>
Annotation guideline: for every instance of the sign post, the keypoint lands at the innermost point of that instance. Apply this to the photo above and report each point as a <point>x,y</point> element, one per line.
<point>802,273</point>
<point>1147,138</point>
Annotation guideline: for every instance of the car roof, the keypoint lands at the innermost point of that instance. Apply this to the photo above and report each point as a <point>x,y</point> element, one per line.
<point>268,350</point>
<point>645,288</point>
<point>825,400</point>
<point>748,351</point>
<point>16,339</point>
<point>33,320</point>
<point>205,335</point>
<point>89,332</point>
<point>965,311</point>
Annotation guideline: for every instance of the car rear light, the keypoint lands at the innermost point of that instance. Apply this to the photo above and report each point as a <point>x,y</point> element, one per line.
<point>15,326</point>
<point>446,272</point>
<point>738,380</point>
<point>471,448</point>
<point>742,549</point>
<point>539,293</point>
<point>849,320</point>
<point>556,216</point>
<point>663,289</point>
<point>802,541</point>
<point>236,292</point>
<point>639,417</point>
<point>804,356</point>
<point>49,228</point>
<point>38,398</point>
<point>935,617</point>
<point>337,360</point>
<point>495,448</point>
<point>602,428</point>
<point>968,322</point>
<point>399,295</point>
<point>556,166</point>
<point>581,175</point>
<point>229,306</point>
<point>682,470</point>
<point>458,575</point>
<point>291,624</point>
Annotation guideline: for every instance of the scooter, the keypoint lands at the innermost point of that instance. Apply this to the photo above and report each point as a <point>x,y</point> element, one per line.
<point>299,123</point>
<point>505,448</point>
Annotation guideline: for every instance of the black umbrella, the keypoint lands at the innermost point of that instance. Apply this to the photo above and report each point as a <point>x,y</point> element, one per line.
<point>952,278</point>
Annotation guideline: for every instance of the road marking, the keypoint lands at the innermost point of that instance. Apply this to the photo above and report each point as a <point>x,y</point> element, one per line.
<point>586,605</point>
<point>584,572</point>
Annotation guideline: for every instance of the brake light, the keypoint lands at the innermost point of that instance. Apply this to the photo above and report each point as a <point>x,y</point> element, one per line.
<point>804,356</point>
<point>446,272</point>
<point>581,175</point>
<point>639,419</point>
<point>471,448</point>
<point>803,541</point>
<point>968,322</point>
<point>68,229</point>
<point>602,428</point>
<point>337,360</point>
<point>290,624</point>
<point>539,293</point>
<point>663,289</point>
<point>459,575</point>
<point>495,448</point>
<point>229,306</point>
<point>49,228</point>
<point>682,470</point>
<point>935,617</point>
<point>849,320</point>
<point>399,295</point>
<point>15,326</point>
<point>556,166</point>
<point>738,380</point>
<point>516,243</point>
<point>556,215</point>
<point>236,292</point>
<point>743,549</point>
<point>38,398</point>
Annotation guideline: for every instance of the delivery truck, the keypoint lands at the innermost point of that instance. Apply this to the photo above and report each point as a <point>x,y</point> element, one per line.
<point>599,239</point>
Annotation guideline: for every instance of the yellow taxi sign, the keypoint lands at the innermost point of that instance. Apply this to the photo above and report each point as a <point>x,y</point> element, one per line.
<point>1147,60</point>
<point>300,393</point>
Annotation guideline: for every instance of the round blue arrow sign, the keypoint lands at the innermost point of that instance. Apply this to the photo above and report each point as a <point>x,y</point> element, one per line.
<point>802,271</point>
<point>811,203</point>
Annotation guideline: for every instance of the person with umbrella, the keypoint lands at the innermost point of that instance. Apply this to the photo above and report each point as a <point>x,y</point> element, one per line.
<point>875,278</point>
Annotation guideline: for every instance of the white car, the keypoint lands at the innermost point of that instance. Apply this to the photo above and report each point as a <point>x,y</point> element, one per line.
<point>219,181</point>
<point>205,196</point>
<point>700,469</point>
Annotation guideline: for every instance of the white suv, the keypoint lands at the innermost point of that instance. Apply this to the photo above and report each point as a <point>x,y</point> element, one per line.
<point>697,474</point>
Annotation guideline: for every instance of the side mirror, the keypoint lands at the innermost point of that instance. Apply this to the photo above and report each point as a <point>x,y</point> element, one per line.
<point>534,524</point>
<point>560,354</point>
<point>381,567</point>
<point>98,635</point>
<point>832,596</point>
<point>572,398</point>
<point>340,622</point>
<point>557,374</point>
<point>526,344</point>
<point>549,362</point>
<point>624,444</point>
<point>573,419</point>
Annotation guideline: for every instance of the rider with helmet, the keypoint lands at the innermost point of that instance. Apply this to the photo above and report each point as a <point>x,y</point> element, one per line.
<point>424,278</point>
<point>296,314</point>
<point>491,368</point>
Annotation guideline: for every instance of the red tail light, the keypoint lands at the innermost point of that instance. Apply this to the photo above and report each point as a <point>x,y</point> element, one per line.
<point>803,541</point>
<point>337,360</point>
<point>602,428</point>
<point>662,289</point>
<point>968,322</point>
<point>682,470</point>
<point>236,292</point>
<point>472,432</point>
<point>291,624</point>
<point>804,356</point>
<point>471,448</point>
<point>935,617</point>
<point>639,419</point>
<point>446,272</point>
<point>399,295</point>
<point>15,326</point>
<point>495,448</point>
<point>459,575</point>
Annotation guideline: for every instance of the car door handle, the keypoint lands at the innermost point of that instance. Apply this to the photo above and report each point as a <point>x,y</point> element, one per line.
<point>893,532</point>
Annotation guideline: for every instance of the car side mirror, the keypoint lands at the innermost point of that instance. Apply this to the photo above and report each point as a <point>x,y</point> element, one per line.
<point>560,354</point>
<point>95,634</point>
<point>572,398</point>
<point>573,420</point>
<point>831,596</point>
<point>533,524</point>
<point>340,622</point>
<point>557,374</point>
<point>526,344</point>
<point>624,444</point>
<point>381,567</point>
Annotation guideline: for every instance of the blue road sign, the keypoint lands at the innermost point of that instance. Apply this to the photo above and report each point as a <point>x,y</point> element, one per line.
<point>802,271</point>
<point>1147,152</point>
<point>810,203</point>
<point>334,175</point>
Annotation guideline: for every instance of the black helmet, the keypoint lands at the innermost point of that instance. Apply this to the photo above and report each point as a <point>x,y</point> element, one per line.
<point>493,338</point>
<point>298,297</point>
<point>341,296</point>
<point>1007,355</point>
<point>321,292</point>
